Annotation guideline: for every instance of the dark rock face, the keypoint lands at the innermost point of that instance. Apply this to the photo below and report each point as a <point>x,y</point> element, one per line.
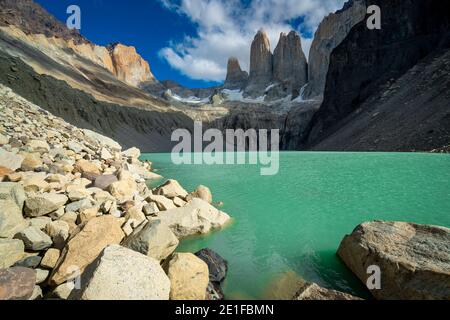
<point>17,283</point>
<point>31,18</point>
<point>330,33</point>
<point>289,62</point>
<point>236,78</point>
<point>217,265</point>
<point>218,268</point>
<point>368,59</point>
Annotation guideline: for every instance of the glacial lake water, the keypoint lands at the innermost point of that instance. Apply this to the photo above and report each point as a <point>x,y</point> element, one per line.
<point>291,224</point>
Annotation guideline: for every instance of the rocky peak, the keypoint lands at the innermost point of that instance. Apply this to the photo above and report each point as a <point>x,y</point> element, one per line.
<point>261,63</point>
<point>236,78</point>
<point>330,33</point>
<point>31,18</point>
<point>129,66</point>
<point>289,62</point>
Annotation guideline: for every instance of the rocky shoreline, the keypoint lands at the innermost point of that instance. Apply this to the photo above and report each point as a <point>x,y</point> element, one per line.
<point>78,220</point>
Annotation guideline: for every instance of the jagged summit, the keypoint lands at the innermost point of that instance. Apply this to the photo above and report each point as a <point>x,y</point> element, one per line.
<point>236,77</point>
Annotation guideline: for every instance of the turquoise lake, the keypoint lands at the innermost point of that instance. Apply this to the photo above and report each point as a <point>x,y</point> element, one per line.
<point>291,224</point>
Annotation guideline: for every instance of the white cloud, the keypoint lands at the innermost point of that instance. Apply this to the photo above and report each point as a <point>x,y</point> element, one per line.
<point>226,28</point>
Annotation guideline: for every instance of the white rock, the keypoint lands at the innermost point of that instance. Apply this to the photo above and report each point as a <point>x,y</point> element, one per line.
<point>123,274</point>
<point>10,160</point>
<point>197,217</point>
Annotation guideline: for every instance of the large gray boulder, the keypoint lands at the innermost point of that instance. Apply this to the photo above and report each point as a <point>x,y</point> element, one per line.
<point>34,239</point>
<point>414,259</point>
<point>41,204</point>
<point>197,217</point>
<point>123,274</point>
<point>12,197</point>
<point>153,239</point>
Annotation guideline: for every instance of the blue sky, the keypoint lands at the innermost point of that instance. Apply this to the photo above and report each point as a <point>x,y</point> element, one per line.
<point>189,41</point>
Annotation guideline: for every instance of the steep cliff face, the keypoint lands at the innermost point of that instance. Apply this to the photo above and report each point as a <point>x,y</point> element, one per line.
<point>261,64</point>
<point>289,62</point>
<point>367,59</point>
<point>236,78</point>
<point>330,33</point>
<point>148,129</point>
<point>129,66</point>
<point>46,31</point>
<point>31,18</point>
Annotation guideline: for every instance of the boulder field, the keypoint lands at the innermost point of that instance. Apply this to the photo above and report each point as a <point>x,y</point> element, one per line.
<point>78,221</point>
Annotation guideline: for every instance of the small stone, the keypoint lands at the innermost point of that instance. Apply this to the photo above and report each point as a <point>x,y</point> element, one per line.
<point>38,146</point>
<point>34,239</point>
<point>104,181</point>
<point>31,262</point>
<point>79,205</point>
<point>203,193</point>
<point>87,214</point>
<point>132,153</point>
<point>179,202</point>
<point>162,202</point>
<point>17,283</point>
<point>31,161</point>
<point>4,172</point>
<point>78,194</point>
<point>85,166</point>
<point>151,209</point>
<point>37,293</point>
<point>3,140</point>
<point>75,147</point>
<point>40,222</point>
<point>63,291</point>
<point>135,213</point>
<point>171,189</point>
<point>12,197</point>
<point>105,154</point>
<point>41,275</point>
<point>10,160</point>
<point>50,258</point>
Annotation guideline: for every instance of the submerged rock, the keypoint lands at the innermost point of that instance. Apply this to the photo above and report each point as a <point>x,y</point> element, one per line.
<point>312,291</point>
<point>414,259</point>
<point>217,265</point>
<point>218,268</point>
